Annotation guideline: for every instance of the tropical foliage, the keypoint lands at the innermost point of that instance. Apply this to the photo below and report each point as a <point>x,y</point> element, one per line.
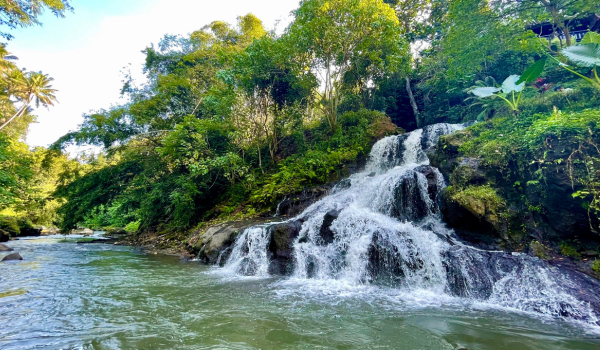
<point>233,118</point>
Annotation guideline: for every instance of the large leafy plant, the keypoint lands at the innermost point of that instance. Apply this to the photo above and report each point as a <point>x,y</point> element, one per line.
<point>586,54</point>
<point>512,87</point>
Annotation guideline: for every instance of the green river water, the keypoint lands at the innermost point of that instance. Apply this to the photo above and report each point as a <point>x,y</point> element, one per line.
<point>99,296</point>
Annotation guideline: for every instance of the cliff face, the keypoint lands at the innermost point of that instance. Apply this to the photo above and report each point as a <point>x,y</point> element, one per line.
<point>524,204</point>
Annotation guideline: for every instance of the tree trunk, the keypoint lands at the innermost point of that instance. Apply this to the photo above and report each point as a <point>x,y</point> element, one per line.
<point>413,103</point>
<point>259,158</point>
<point>14,116</point>
<point>559,21</point>
<point>567,32</point>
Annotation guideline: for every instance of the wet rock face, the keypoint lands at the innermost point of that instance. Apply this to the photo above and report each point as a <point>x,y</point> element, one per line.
<point>411,203</point>
<point>468,226</point>
<point>505,278</point>
<point>327,235</point>
<point>468,276</point>
<point>295,204</point>
<point>281,247</point>
<point>213,246</point>
<point>432,180</point>
<point>384,265</point>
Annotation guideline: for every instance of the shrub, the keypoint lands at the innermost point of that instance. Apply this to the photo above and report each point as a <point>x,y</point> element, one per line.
<point>133,226</point>
<point>596,266</point>
<point>10,224</point>
<point>569,251</point>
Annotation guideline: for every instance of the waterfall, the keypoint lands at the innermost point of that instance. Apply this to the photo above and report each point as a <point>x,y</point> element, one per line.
<point>382,227</point>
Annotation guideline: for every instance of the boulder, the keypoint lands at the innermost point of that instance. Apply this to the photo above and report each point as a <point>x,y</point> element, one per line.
<point>474,222</point>
<point>82,231</point>
<point>433,183</point>
<point>384,264</point>
<point>212,245</point>
<point>410,203</point>
<point>280,247</point>
<point>30,232</point>
<point>4,248</point>
<point>325,232</point>
<point>115,231</point>
<point>50,231</point>
<point>13,256</point>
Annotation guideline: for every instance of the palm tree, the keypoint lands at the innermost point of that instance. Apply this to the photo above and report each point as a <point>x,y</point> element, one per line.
<point>29,88</point>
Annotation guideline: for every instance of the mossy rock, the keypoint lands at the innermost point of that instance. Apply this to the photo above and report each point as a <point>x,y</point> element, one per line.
<point>481,201</point>
<point>445,155</point>
<point>11,225</point>
<point>115,231</point>
<point>539,250</point>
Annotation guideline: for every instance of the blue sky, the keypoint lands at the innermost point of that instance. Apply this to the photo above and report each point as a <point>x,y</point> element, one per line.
<point>86,51</point>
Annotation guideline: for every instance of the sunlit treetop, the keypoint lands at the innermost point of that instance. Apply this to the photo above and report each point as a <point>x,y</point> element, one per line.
<point>24,13</point>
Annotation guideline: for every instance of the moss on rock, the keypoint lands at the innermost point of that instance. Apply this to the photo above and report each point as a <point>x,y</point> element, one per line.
<point>539,250</point>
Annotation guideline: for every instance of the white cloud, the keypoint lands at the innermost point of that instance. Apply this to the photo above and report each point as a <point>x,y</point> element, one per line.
<point>86,68</point>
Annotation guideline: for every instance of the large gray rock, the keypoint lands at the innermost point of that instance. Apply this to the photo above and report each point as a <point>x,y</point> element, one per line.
<point>13,256</point>
<point>410,203</point>
<point>213,245</point>
<point>4,248</point>
<point>326,234</point>
<point>84,231</point>
<point>281,247</point>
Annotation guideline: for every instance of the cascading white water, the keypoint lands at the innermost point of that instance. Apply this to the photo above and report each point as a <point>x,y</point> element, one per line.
<point>249,254</point>
<point>382,227</point>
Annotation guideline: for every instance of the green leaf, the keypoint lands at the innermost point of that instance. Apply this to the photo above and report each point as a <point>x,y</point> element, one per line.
<point>480,116</point>
<point>485,91</point>
<point>533,72</point>
<point>587,55</point>
<point>510,84</point>
<point>591,38</point>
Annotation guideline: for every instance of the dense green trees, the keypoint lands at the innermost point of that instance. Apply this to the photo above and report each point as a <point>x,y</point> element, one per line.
<point>28,178</point>
<point>233,118</point>
<point>228,112</point>
<point>348,44</point>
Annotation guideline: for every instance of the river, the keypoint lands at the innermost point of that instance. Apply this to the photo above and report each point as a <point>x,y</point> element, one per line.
<point>101,296</point>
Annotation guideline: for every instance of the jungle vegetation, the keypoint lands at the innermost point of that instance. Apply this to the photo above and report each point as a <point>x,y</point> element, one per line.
<point>234,117</point>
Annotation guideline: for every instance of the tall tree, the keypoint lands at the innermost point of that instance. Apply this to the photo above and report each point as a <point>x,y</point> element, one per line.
<point>343,36</point>
<point>24,13</point>
<point>560,12</point>
<point>31,88</point>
